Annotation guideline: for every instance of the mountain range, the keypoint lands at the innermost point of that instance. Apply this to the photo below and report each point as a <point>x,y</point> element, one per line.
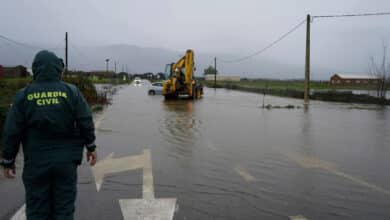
<point>135,59</point>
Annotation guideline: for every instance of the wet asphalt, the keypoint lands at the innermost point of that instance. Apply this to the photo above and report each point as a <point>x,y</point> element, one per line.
<point>224,157</point>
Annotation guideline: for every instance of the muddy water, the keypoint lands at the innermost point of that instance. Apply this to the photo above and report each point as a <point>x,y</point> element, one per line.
<point>223,157</point>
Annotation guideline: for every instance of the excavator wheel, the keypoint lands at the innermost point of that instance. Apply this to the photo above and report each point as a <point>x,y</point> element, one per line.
<point>198,92</point>
<point>193,92</point>
<point>171,96</point>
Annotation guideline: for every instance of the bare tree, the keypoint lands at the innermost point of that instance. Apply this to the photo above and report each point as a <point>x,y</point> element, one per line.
<point>382,73</point>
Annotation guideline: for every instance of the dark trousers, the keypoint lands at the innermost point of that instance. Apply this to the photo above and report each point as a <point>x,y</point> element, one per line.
<point>50,190</point>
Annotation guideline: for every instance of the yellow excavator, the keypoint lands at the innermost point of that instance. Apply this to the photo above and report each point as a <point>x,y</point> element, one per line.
<point>182,83</point>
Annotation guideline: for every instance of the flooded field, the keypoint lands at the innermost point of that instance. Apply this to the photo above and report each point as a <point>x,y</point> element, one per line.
<point>223,157</point>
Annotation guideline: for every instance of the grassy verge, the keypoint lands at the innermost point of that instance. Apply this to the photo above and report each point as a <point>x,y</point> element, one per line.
<point>87,87</point>
<point>294,89</point>
<point>285,84</point>
<point>113,81</point>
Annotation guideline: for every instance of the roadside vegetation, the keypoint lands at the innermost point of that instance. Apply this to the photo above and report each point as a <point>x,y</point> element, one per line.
<point>102,78</point>
<point>382,72</point>
<point>285,84</point>
<point>9,87</point>
<point>295,89</point>
<point>88,89</point>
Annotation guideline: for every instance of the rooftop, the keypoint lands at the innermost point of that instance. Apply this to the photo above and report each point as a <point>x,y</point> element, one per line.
<point>355,76</point>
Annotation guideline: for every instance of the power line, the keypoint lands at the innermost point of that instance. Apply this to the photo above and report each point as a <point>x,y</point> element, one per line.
<point>268,46</point>
<point>352,15</point>
<point>296,27</point>
<point>211,62</point>
<point>79,52</point>
<point>58,46</point>
<point>19,43</point>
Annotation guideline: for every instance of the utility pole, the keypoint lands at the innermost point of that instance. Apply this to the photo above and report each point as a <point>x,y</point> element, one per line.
<point>115,66</point>
<point>307,62</point>
<point>107,60</point>
<point>66,52</point>
<point>215,72</point>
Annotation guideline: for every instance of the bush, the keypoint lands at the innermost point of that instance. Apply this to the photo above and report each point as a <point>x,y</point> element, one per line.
<point>87,88</point>
<point>8,88</point>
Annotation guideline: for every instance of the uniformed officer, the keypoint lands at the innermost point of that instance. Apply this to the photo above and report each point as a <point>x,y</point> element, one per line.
<point>53,122</point>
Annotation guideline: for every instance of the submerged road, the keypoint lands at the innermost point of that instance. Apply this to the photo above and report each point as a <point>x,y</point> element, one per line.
<point>222,157</point>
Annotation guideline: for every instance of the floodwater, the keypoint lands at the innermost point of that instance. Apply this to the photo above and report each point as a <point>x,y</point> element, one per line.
<point>365,92</point>
<point>223,157</point>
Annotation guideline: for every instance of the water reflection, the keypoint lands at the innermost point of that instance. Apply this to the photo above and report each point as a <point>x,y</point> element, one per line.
<point>178,105</point>
<point>180,126</point>
<point>307,148</point>
<point>224,158</point>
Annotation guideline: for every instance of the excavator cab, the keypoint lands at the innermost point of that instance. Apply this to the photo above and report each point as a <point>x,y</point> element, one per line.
<point>167,71</point>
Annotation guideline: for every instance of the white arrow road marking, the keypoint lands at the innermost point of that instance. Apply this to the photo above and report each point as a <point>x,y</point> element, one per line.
<point>116,165</point>
<point>147,186</point>
<point>313,162</point>
<point>148,208</point>
<point>98,121</point>
<point>297,217</point>
<point>144,209</point>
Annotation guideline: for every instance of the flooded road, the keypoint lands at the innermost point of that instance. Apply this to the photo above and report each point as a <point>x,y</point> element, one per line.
<point>222,157</point>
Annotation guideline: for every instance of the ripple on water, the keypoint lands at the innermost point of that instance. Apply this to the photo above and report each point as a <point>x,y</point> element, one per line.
<point>180,131</point>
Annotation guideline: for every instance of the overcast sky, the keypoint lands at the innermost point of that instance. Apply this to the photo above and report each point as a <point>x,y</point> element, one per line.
<point>213,26</point>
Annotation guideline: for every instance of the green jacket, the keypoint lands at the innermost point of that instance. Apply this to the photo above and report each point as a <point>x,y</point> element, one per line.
<point>49,117</point>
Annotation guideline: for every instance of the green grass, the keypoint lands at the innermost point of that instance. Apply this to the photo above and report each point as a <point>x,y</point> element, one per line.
<point>295,89</point>
<point>114,81</point>
<point>96,80</point>
<point>8,88</point>
<point>285,84</point>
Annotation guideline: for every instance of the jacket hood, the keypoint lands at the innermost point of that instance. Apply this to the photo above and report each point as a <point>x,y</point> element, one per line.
<point>47,66</point>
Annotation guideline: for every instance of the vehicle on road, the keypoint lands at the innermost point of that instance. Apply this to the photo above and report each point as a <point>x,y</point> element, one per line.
<point>155,89</point>
<point>137,82</point>
<point>181,83</point>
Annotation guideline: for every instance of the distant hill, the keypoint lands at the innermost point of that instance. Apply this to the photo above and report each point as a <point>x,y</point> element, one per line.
<point>141,59</point>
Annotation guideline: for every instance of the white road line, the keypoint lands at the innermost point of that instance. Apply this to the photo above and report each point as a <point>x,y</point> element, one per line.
<point>147,186</point>
<point>244,174</point>
<point>211,146</point>
<point>360,181</point>
<point>313,162</point>
<point>20,214</point>
<point>98,121</point>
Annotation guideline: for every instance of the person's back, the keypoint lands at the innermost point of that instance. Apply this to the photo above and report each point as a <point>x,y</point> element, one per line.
<point>53,122</point>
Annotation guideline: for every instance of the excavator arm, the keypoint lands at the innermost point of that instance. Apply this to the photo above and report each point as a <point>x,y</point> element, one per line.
<point>182,82</point>
<point>186,63</point>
